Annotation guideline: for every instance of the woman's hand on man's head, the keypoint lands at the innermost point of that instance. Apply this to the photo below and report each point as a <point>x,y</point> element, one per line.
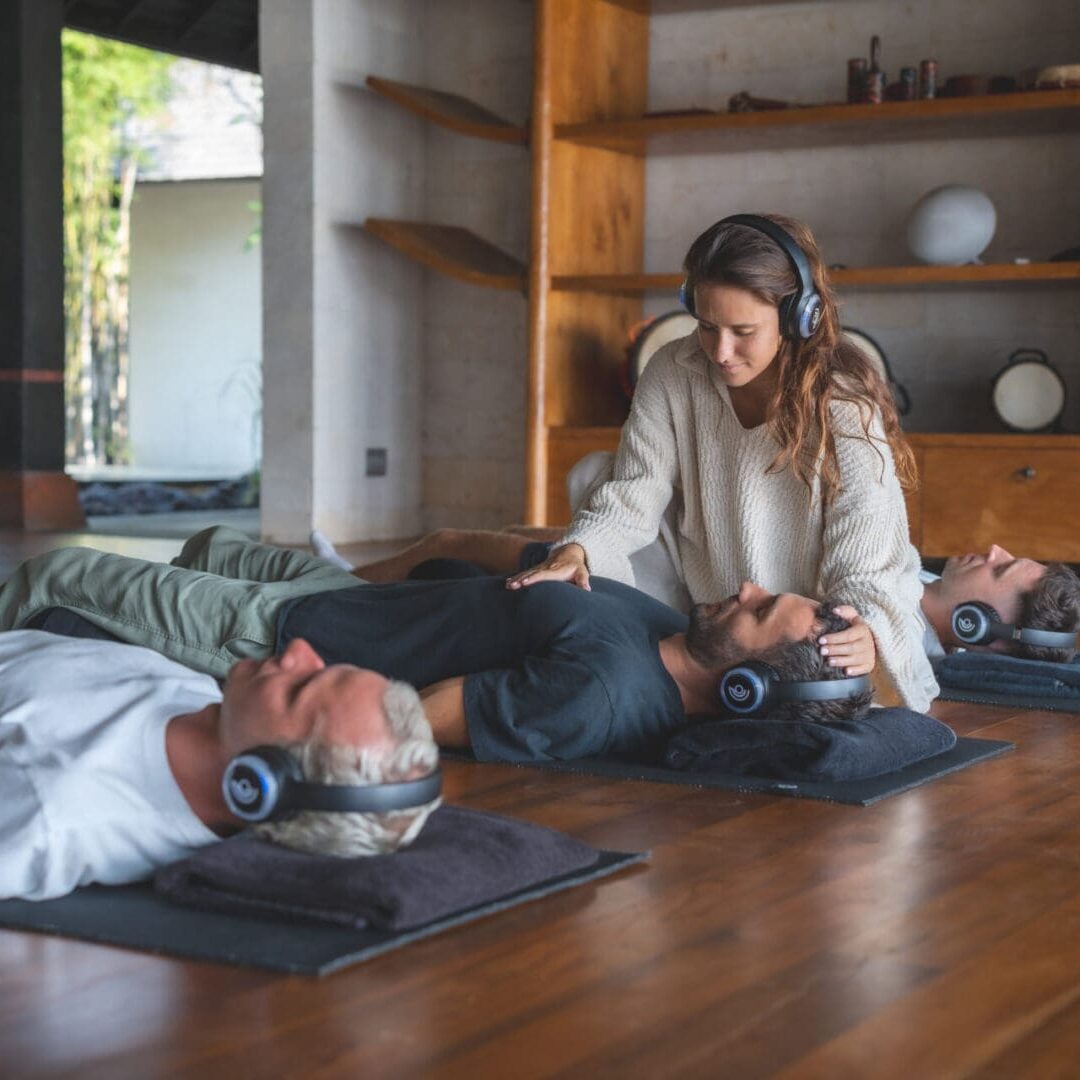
<point>853,649</point>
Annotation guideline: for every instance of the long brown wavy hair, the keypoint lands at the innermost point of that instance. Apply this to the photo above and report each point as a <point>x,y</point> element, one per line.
<point>813,373</point>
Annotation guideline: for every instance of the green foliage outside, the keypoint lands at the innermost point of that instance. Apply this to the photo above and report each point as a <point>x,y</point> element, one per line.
<point>106,84</point>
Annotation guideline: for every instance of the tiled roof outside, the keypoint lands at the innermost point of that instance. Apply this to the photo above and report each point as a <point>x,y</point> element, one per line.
<point>211,128</point>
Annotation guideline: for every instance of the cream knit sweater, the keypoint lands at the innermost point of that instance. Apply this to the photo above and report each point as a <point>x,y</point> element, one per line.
<point>736,522</point>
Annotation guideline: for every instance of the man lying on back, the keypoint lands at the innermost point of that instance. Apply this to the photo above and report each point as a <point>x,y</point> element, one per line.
<point>544,673</point>
<point>1015,592</point>
<point>112,758</point>
<point>1018,592</point>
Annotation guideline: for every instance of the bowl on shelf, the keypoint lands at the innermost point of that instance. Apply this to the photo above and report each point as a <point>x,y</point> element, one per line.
<point>951,225</point>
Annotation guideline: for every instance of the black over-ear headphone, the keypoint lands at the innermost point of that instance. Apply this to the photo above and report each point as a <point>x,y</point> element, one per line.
<point>800,313</point>
<point>976,623</point>
<point>266,783</point>
<point>753,688</point>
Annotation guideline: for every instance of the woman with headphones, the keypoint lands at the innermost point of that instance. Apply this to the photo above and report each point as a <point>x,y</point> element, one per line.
<point>776,449</point>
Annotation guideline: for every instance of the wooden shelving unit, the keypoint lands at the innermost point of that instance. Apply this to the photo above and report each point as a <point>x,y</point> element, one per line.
<point>451,250</point>
<point>890,120</point>
<point>449,111</point>
<point>585,280</point>
<point>912,277</point>
<point>589,140</point>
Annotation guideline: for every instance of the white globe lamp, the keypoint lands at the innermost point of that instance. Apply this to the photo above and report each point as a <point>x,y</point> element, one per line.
<point>951,225</point>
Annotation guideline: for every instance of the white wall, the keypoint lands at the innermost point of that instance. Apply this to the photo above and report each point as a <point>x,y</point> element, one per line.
<point>196,338</point>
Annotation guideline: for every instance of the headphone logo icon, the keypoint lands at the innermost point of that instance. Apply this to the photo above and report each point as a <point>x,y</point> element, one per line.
<point>739,690</point>
<point>244,791</point>
<point>965,624</point>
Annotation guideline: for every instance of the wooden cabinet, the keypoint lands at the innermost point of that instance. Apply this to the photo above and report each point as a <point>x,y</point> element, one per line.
<point>1019,491</point>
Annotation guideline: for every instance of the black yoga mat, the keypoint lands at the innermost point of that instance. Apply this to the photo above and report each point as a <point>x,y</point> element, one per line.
<point>966,752</point>
<point>1010,701</point>
<point>136,917</point>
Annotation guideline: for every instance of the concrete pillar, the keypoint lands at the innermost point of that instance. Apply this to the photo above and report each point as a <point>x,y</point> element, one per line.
<point>342,344</point>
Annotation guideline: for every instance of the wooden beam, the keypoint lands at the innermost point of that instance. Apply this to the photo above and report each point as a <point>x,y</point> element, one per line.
<point>192,24</point>
<point>34,492</point>
<point>125,17</point>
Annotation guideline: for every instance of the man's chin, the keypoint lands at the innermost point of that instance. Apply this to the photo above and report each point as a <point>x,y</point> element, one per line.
<point>707,640</point>
<point>952,564</point>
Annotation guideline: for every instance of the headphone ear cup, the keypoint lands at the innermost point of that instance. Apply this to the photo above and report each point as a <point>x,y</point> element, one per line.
<point>809,315</point>
<point>971,622</point>
<point>686,296</point>
<point>256,783</point>
<point>744,689</point>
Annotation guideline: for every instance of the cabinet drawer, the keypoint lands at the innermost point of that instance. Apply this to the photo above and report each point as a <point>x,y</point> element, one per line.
<point>1027,500</point>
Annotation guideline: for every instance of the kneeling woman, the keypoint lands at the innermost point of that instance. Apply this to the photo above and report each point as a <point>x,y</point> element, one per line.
<point>776,446</point>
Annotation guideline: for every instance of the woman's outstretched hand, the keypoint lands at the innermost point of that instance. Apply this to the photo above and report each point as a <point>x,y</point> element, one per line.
<point>852,649</point>
<point>566,563</point>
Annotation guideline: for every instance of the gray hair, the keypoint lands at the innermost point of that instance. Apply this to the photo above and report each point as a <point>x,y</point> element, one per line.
<point>347,834</point>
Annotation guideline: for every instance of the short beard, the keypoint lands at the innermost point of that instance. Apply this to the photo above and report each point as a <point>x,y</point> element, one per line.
<point>708,641</point>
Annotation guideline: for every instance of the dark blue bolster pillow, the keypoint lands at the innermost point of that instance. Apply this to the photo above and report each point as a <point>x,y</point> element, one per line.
<point>445,570</point>
<point>995,674</point>
<point>68,623</point>
<point>533,554</point>
<point>883,741</point>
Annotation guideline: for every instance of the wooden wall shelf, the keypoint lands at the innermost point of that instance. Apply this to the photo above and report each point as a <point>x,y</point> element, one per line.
<point>449,111</point>
<point>451,250</point>
<point>850,278</point>
<point>987,274</point>
<point>985,114</point>
<point>672,7</point>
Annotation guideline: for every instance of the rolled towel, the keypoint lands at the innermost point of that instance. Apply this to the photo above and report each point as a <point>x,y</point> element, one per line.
<point>462,859</point>
<point>995,674</point>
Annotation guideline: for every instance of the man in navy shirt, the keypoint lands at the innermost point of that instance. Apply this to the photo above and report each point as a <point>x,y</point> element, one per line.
<point>550,672</point>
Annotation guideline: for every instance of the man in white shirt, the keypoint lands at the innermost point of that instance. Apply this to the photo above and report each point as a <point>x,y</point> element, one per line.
<point>112,756</point>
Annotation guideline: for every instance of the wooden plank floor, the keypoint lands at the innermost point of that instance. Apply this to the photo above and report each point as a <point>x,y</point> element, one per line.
<point>935,934</point>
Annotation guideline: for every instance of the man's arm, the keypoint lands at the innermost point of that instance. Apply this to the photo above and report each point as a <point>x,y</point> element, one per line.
<point>444,703</point>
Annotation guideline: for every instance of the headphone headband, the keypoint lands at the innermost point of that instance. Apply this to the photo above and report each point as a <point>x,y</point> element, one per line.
<point>784,240</point>
<point>265,783</point>
<point>800,313</point>
<point>752,688</point>
<point>822,689</point>
<point>976,623</point>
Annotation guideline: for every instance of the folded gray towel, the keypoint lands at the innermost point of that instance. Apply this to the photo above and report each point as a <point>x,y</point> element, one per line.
<point>461,859</point>
<point>883,741</point>
<point>995,674</point>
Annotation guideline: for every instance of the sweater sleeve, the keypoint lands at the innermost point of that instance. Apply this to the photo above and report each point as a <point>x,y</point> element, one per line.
<point>623,515</point>
<point>869,560</point>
